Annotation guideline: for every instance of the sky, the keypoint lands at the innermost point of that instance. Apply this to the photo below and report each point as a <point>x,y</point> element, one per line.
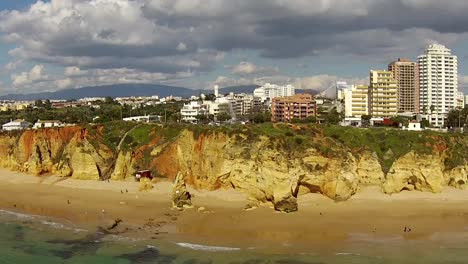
<point>60,44</point>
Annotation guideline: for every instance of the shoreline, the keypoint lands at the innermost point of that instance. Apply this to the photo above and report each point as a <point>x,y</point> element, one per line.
<point>319,223</point>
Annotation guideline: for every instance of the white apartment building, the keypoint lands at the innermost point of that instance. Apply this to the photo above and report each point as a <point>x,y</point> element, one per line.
<point>355,100</point>
<point>340,87</point>
<point>190,111</point>
<point>460,100</point>
<point>272,91</point>
<point>220,105</point>
<point>241,104</point>
<point>438,76</point>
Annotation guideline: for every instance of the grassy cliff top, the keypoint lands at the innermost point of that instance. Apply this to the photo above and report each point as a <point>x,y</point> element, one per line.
<point>387,143</point>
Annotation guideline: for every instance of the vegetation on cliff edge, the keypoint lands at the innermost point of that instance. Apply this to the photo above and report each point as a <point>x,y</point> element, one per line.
<point>329,141</point>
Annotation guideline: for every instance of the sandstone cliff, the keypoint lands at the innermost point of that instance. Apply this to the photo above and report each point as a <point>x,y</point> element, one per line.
<point>268,168</point>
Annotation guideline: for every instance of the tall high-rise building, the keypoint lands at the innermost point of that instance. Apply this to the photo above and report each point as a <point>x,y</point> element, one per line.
<point>383,94</point>
<point>438,82</point>
<point>216,90</point>
<point>406,73</point>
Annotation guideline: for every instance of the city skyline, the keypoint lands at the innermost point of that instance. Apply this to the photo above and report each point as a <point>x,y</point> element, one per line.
<point>53,45</point>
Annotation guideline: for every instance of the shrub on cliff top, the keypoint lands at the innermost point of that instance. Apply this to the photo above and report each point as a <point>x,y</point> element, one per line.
<point>390,144</point>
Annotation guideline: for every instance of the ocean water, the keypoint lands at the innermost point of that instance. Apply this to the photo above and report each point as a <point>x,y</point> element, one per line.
<point>34,239</point>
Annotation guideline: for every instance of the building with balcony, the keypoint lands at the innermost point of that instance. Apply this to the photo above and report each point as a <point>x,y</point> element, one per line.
<point>270,91</point>
<point>438,81</point>
<point>300,106</point>
<point>355,100</point>
<point>460,100</point>
<point>241,104</point>
<point>383,94</point>
<point>192,110</point>
<point>406,73</point>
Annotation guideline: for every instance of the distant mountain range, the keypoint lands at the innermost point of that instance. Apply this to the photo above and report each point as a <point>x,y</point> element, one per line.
<point>126,90</point>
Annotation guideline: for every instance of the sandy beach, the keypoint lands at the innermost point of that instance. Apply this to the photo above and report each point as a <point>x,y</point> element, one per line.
<point>320,222</point>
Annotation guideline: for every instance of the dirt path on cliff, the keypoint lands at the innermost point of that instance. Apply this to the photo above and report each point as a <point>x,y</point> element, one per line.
<point>107,174</point>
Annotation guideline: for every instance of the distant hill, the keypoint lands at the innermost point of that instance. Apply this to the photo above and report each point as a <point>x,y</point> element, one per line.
<point>125,90</point>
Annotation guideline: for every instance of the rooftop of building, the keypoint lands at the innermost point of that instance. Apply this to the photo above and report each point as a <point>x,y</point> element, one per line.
<point>294,98</point>
<point>48,121</point>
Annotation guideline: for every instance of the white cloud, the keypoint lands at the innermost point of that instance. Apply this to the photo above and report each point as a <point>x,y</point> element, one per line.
<point>64,83</point>
<point>248,68</point>
<point>244,68</point>
<point>181,46</point>
<point>319,82</point>
<point>13,65</point>
<point>463,83</point>
<point>74,71</point>
<point>36,74</point>
<point>37,80</point>
<point>167,41</point>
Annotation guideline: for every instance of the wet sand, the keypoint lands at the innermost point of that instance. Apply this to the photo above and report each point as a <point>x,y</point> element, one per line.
<point>319,223</point>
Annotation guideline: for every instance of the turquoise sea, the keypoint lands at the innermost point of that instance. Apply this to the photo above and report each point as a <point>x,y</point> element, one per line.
<point>34,239</point>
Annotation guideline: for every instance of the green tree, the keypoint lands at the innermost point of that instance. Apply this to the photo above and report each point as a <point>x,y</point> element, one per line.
<point>109,100</point>
<point>210,97</point>
<point>457,117</point>
<point>424,109</point>
<point>202,118</point>
<point>296,120</point>
<point>310,119</point>
<point>47,104</point>
<point>425,123</point>
<point>333,117</point>
<point>176,117</point>
<point>38,103</point>
<point>223,117</point>
<point>400,120</point>
<point>260,117</point>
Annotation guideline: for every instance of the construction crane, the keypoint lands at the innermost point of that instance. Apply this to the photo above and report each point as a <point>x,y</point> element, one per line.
<point>330,92</point>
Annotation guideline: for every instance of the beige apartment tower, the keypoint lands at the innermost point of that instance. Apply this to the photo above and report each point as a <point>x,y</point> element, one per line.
<point>355,100</point>
<point>383,94</point>
<point>406,73</point>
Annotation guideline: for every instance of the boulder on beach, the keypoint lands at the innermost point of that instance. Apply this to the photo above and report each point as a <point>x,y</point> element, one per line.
<point>286,205</point>
<point>181,198</point>
<point>145,185</point>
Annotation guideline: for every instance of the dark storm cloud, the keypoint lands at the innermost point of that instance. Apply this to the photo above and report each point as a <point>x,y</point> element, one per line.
<point>176,36</point>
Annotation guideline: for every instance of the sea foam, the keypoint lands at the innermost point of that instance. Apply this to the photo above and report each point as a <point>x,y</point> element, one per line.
<point>39,219</point>
<point>206,248</point>
<point>17,215</point>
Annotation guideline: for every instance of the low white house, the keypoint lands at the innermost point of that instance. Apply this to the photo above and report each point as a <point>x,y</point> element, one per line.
<point>414,126</point>
<point>352,121</point>
<point>146,118</point>
<point>16,125</point>
<point>47,124</point>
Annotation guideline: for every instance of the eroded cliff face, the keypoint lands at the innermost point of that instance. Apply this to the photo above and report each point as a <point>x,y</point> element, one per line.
<point>263,167</point>
<point>414,172</point>
<point>61,151</point>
